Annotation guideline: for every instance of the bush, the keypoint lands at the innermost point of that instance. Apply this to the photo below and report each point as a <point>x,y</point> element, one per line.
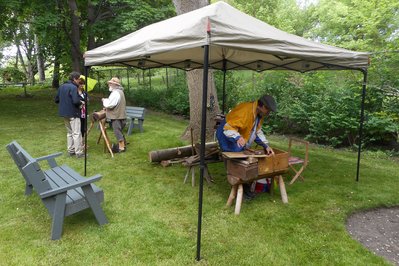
<point>12,75</point>
<point>173,100</point>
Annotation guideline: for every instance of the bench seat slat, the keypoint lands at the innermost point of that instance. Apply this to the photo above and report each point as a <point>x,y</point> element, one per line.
<point>57,177</point>
<point>75,199</point>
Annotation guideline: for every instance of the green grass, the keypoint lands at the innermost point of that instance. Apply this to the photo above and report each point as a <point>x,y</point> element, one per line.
<point>153,215</point>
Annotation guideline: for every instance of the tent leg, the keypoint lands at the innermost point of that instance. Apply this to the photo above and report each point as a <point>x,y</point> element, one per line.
<point>202,150</point>
<point>86,74</point>
<point>224,86</point>
<point>361,123</point>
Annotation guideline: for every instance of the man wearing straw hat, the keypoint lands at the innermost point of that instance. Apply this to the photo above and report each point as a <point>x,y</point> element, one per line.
<point>115,107</point>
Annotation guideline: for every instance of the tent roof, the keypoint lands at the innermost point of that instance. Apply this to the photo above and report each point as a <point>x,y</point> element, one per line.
<point>239,40</point>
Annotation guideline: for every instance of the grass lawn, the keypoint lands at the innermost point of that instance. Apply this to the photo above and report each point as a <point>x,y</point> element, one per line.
<point>153,215</point>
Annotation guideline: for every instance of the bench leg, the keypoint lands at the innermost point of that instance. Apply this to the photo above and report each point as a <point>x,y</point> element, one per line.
<point>141,125</point>
<point>131,125</point>
<point>94,204</point>
<point>58,216</point>
<point>28,189</point>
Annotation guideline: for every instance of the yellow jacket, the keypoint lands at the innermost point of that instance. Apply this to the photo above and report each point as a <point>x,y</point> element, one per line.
<point>241,119</point>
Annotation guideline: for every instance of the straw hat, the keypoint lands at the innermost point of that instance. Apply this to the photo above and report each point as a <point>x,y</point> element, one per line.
<point>114,81</point>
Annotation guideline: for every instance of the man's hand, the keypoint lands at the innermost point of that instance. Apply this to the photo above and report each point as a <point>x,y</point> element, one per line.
<point>241,142</point>
<point>269,151</point>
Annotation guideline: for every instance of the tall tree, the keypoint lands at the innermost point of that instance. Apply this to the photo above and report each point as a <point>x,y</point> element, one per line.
<point>66,28</point>
<point>75,35</point>
<point>39,60</point>
<point>194,82</point>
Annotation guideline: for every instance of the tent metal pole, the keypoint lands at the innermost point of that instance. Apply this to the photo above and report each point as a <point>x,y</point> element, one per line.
<point>224,85</point>
<point>86,73</point>
<point>361,123</point>
<point>128,79</point>
<point>202,150</point>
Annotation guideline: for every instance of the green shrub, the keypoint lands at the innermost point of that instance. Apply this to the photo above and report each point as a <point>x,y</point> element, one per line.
<point>12,75</point>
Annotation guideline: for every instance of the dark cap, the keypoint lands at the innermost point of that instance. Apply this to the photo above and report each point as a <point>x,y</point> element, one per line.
<point>269,102</point>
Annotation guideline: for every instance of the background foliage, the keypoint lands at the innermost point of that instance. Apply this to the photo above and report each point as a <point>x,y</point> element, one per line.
<point>323,107</point>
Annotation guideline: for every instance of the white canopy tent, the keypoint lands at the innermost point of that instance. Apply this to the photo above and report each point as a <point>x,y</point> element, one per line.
<point>240,40</point>
<point>221,37</point>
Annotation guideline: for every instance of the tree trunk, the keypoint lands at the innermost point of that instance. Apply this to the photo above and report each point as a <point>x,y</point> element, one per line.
<point>194,82</point>
<point>39,60</point>
<point>91,18</point>
<point>75,36</point>
<point>56,72</point>
<point>22,61</point>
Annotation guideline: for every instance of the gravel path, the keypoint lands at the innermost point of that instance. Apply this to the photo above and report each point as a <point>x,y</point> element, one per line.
<point>377,230</point>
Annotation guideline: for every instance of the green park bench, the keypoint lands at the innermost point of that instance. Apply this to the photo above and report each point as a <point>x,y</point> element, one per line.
<point>62,190</point>
<point>133,113</point>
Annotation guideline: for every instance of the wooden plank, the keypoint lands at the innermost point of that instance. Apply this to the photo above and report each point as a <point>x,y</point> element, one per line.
<point>236,155</point>
<point>60,178</point>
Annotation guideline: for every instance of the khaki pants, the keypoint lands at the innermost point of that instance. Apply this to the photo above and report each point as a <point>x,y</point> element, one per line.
<point>74,136</point>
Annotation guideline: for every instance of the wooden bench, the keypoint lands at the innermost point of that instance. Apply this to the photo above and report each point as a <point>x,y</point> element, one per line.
<point>62,190</point>
<point>133,113</point>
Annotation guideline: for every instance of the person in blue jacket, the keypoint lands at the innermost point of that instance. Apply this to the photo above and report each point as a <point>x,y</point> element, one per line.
<point>68,101</point>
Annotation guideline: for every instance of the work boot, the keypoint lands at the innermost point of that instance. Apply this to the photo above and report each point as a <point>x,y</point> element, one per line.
<point>122,147</point>
<point>248,194</point>
<point>115,148</point>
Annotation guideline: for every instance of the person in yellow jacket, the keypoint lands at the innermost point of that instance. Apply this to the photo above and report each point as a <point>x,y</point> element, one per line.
<point>243,126</point>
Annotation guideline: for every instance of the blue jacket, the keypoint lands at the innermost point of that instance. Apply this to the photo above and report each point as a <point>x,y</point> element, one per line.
<point>68,100</point>
<point>230,144</point>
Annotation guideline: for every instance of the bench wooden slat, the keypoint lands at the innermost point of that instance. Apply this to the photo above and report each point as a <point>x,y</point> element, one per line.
<point>56,181</point>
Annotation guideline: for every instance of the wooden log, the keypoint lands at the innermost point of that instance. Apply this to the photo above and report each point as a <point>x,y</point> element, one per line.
<point>97,116</point>
<point>178,152</point>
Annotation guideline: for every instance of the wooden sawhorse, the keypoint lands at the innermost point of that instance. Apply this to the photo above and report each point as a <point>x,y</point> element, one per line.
<point>101,122</point>
<point>237,193</point>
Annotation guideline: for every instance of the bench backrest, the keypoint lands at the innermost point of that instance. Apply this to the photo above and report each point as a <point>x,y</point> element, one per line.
<point>29,167</point>
<point>137,112</point>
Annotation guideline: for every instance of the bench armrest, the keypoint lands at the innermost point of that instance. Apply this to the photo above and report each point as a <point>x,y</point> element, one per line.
<point>78,184</point>
<point>50,159</point>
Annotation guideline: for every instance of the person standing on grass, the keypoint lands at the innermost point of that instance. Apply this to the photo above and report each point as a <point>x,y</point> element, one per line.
<point>243,126</point>
<point>68,101</point>
<point>115,107</point>
<point>83,97</point>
